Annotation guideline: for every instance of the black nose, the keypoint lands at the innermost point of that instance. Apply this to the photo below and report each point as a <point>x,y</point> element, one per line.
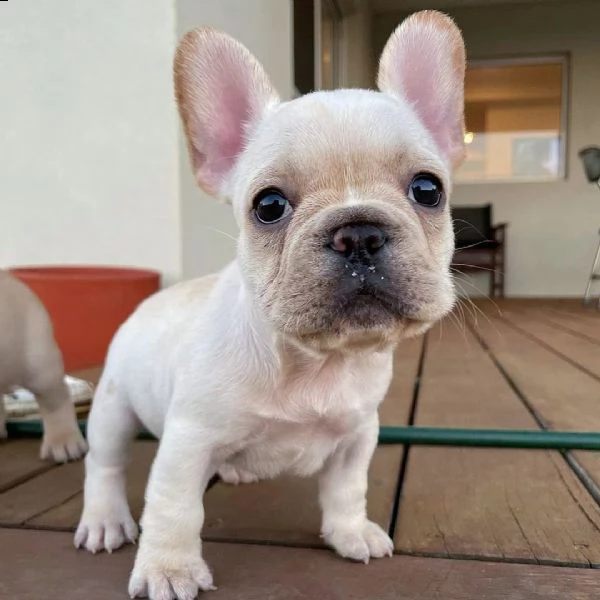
<point>358,240</point>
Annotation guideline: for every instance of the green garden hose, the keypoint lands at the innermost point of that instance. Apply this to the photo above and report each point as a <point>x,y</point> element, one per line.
<point>429,436</point>
<point>490,438</point>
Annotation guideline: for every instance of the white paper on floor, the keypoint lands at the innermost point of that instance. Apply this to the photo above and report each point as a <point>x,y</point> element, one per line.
<point>22,403</point>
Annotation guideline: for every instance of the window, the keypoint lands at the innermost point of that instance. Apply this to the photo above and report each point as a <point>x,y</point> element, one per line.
<point>515,117</point>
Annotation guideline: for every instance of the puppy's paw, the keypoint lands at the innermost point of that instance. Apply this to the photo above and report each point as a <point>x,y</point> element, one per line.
<point>161,575</point>
<point>236,475</point>
<point>360,543</point>
<point>62,444</point>
<point>108,531</point>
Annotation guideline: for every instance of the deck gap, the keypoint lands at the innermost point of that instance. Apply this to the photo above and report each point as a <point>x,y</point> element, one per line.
<point>453,556</point>
<point>574,332</point>
<point>511,382</point>
<point>17,481</point>
<point>582,475</point>
<point>411,421</point>
<point>54,506</point>
<point>550,348</point>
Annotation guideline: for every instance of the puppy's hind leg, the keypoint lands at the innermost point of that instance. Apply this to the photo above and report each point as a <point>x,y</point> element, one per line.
<point>106,522</point>
<point>234,474</point>
<point>62,440</point>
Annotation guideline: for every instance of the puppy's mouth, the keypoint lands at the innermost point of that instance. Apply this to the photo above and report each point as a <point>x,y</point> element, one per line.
<point>364,306</point>
<point>370,306</point>
<point>368,317</point>
<point>370,298</point>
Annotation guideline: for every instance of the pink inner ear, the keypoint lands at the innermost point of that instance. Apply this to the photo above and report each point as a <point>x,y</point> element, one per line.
<point>424,63</point>
<point>222,92</point>
<point>429,84</point>
<point>226,139</point>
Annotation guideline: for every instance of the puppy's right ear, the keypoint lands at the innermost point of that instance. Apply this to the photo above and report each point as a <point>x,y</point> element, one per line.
<point>423,62</point>
<point>222,93</point>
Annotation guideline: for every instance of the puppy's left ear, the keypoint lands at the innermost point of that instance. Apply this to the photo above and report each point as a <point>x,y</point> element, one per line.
<point>423,62</point>
<point>222,93</point>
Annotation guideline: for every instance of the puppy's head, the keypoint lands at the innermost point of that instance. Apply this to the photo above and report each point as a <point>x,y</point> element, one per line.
<point>341,197</point>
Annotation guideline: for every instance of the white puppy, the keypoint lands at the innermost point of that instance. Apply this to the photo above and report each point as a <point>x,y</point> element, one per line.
<point>30,358</point>
<point>279,362</point>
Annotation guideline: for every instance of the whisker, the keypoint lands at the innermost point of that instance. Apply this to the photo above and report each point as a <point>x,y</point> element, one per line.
<point>461,321</point>
<point>468,226</point>
<point>482,293</point>
<point>454,319</point>
<point>474,245</point>
<point>224,233</point>
<point>477,310</point>
<point>472,267</point>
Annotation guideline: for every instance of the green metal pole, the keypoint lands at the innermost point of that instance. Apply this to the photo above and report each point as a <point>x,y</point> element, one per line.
<point>429,436</point>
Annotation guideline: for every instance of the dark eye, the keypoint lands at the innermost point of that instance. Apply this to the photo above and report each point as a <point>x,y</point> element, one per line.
<point>271,206</point>
<point>426,190</point>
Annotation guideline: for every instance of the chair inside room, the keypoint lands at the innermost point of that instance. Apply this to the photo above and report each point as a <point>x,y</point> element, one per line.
<point>480,245</point>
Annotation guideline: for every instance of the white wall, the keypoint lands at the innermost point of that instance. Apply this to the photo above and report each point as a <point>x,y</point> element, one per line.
<point>553,226</point>
<point>92,164</point>
<point>88,134</point>
<point>265,27</point>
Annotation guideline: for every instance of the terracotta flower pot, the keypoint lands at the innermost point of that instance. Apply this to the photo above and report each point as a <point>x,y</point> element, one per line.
<point>87,305</point>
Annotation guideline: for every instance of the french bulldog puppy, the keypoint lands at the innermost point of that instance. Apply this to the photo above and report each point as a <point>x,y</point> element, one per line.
<point>30,358</point>
<point>279,362</point>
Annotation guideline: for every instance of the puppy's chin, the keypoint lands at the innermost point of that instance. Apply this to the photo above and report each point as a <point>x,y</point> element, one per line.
<point>357,339</point>
<point>365,321</point>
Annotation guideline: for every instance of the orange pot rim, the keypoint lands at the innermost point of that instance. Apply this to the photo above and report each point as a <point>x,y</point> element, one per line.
<point>89,273</point>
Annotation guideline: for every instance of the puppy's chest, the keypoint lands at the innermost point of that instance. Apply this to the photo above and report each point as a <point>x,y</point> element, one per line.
<point>296,433</point>
<point>285,447</point>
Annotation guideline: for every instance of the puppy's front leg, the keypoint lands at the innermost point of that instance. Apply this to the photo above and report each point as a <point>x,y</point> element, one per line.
<point>169,561</point>
<point>342,493</point>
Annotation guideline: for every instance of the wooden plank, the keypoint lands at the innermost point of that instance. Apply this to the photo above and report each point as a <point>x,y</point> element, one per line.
<point>498,306</point>
<point>579,350</point>
<point>40,493</point>
<point>396,406</point>
<point>503,504</point>
<point>65,514</point>
<point>36,564</point>
<point>577,307</point>
<point>582,322</point>
<point>567,304</point>
<point>19,461</point>
<point>561,395</point>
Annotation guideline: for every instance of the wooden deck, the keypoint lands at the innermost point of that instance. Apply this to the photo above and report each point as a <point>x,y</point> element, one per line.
<point>467,523</point>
